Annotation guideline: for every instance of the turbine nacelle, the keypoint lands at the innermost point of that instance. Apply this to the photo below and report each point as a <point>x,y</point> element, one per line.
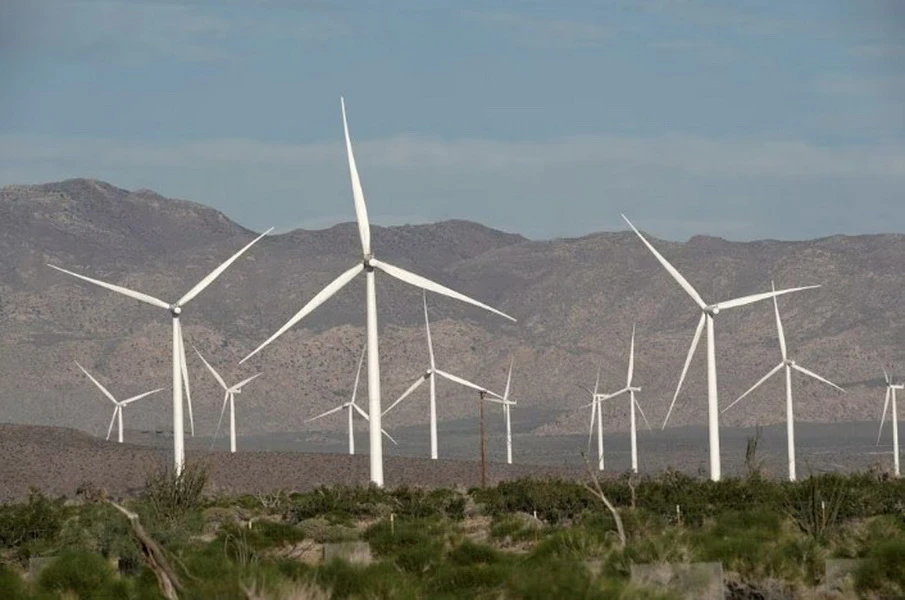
<point>789,362</point>
<point>175,310</point>
<point>366,261</point>
<point>712,310</point>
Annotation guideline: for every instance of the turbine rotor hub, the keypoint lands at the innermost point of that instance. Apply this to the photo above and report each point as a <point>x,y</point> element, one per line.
<point>712,310</point>
<point>367,263</point>
<point>176,310</point>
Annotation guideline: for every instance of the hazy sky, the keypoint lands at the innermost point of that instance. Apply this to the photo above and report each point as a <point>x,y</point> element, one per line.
<point>743,119</point>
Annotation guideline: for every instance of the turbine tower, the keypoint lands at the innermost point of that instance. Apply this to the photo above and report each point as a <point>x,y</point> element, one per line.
<point>119,404</point>
<point>788,364</point>
<point>368,264</point>
<point>894,417</point>
<point>180,371</point>
<point>352,408</point>
<point>507,404</point>
<point>229,397</point>
<point>708,312</point>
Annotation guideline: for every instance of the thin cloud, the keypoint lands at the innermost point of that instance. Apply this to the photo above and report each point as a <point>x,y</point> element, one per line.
<point>533,31</point>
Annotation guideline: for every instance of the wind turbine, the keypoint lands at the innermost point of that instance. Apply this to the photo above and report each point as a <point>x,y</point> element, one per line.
<point>119,404</point>
<point>180,371</point>
<point>351,406</point>
<point>708,312</point>
<point>230,397</point>
<point>894,417</point>
<point>633,403</point>
<point>788,364</point>
<point>368,264</point>
<point>430,375</point>
<point>507,404</point>
<point>596,399</point>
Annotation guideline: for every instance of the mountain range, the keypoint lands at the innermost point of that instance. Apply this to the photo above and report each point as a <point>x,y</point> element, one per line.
<point>575,301</point>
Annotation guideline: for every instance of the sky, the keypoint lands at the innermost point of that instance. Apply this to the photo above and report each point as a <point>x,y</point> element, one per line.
<point>748,119</point>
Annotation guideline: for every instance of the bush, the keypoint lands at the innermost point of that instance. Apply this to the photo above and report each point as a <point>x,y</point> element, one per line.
<point>36,519</point>
<point>170,497</point>
<point>83,574</point>
<point>883,570</point>
<point>11,585</point>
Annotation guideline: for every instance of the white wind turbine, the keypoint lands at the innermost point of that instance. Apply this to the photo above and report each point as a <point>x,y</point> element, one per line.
<point>894,417</point>
<point>351,406</point>
<point>596,411</point>
<point>633,403</point>
<point>229,397</point>
<point>430,375</point>
<point>788,364</point>
<point>180,370</point>
<point>368,264</point>
<point>708,312</point>
<point>507,404</point>
<point>119,404</point>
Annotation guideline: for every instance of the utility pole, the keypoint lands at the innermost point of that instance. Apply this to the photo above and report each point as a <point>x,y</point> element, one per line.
<point>481,394</point>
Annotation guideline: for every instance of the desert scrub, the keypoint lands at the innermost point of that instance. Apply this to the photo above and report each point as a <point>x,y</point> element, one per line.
<point>323,532</point>
<point>84,575</point>
<point>170,497</point>
<point>883,571</point>
<point>31,527</point>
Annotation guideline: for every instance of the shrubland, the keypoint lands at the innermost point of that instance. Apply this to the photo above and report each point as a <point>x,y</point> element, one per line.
<point>519,539</point>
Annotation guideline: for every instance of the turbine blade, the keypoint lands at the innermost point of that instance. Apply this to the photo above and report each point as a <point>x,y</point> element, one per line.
<point>212,370</point>
<point>694,346</point>
<point>509,379</point>
<point>199,287</point>
<point>98,384</point>
<point>801,369</point>
<point>597,381</point>
<point>431,286</point>
<point>185,378</point>
<point>406,393</point>
<point>389,437</point>
<point>466,383</point>
<point>779,329</point>
<point>619,393</point>
<point>361,211</point>
<point>883,418</point>
<point>120,290</point>
<point>327,413</point>
<point>361,360</point>
<point>359,410</point>
<point>762,296</point>
<point>321,297</point>
<point>670,269</point>
<point>770,374</point>
<point>885,375</point>
<point>238,387</point>
<point>427,326</point>
<point>641,412</point>
<point>631,359</point>
<point>140,396</point>
<point>220,420</point>
<point>110,429</point>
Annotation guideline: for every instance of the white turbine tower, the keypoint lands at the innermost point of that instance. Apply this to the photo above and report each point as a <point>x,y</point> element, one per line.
<point>180,371</point>
<point>368,264</point>
<point>352,409</point>
<point>788,364</point>
<point>119,404</point>
<point>894,417</point>
<point>430,375</point>
<point>229,397</point>
<point>708,312</point>
<point>633,403</point>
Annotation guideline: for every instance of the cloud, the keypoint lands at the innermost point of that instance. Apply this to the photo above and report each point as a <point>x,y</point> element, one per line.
<point>742,187</point>
<point>113,30</point>
<point>532,31</point>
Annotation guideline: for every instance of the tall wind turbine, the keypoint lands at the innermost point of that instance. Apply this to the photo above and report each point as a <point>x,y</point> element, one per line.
<point>507,404</point>
<point>633,403</point>
<point>351,406</point>
<point>894,417</point>
<point>229,397</point>
<point>368,264</point>
<point>119,404</point>
<point>180,371</point>
<point>708,312</point>
<point>788,364</point>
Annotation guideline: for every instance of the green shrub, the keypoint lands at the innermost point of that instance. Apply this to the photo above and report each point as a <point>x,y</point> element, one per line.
<point>883,570</point>
<point>171,497</point>
<point>11,585</point>
<point>84,574</point>
<point>37,519</point>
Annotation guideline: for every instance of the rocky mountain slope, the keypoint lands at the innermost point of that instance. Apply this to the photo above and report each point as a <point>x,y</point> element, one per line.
<point>575,299</point>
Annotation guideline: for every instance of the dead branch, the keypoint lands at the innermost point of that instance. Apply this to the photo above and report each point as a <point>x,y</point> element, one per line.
<point>597,491</point>
<point>153,556</point>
